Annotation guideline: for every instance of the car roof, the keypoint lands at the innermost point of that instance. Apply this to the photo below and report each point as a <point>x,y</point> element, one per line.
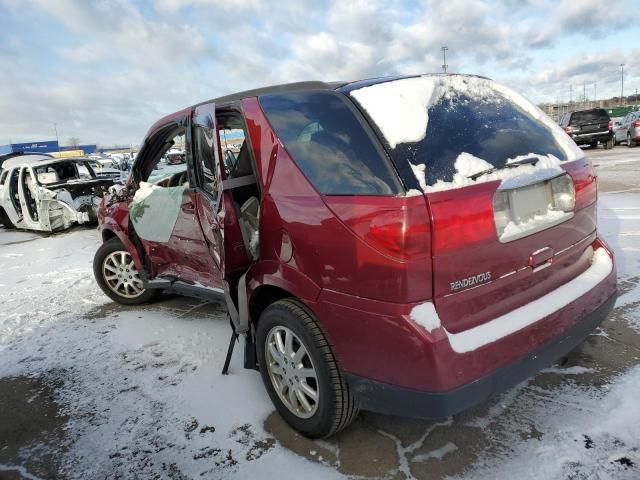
<point>343,86</point>
<point>36,161</point>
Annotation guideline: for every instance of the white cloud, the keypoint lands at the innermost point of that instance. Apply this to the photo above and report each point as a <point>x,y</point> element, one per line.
<point>122,64</point>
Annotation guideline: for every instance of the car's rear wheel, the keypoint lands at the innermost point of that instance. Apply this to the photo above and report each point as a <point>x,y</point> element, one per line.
<point>117,276</point>
<point>300,371</point>
<point>593,144</point>
<point>608,145</point>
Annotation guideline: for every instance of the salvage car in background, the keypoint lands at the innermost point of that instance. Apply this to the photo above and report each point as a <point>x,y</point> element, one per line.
<point>373,257</point>
<point>41,193</point>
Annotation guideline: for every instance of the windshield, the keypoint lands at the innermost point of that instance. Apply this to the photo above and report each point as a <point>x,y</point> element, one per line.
<point>430,122</point>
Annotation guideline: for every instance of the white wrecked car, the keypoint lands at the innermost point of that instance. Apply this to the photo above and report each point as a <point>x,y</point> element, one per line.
<point>38,192</point>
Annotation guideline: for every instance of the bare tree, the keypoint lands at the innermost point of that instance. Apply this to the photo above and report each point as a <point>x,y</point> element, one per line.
<point>74,142</point>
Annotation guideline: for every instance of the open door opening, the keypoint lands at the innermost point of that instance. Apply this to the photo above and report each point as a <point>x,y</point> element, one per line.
<point>241,199</point>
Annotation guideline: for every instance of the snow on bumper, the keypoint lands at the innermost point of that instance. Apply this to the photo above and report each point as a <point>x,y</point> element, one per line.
<point>474,338</point>
<point>389,342</point>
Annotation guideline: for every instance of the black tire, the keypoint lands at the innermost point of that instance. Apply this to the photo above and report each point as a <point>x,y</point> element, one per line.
<point>608,145</point>
<point>5,221</point>
<point>630,143</point>
<point>335,408</point>
<point>593,145</point>
<point>111,246</point>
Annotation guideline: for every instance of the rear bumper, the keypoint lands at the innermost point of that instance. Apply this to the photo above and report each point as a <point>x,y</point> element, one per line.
<point>395,366</point>
<point>584,138</point>
<point>394,400</point>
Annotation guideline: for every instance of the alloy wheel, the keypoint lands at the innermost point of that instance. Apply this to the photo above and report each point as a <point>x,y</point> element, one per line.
<point>291,371</point>
<point>121,275</point>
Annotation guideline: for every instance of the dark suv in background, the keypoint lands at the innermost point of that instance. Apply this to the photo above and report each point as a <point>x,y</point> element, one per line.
<point>589,127</point>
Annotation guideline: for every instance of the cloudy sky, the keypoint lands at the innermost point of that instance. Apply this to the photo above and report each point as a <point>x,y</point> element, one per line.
<point>104,70</point>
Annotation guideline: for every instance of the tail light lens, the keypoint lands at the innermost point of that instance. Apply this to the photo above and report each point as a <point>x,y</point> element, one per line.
<point>563,193</point>
<point>568,129</point>
<point>396,226</point>
<point>636,124</point>
<point>610,124</point>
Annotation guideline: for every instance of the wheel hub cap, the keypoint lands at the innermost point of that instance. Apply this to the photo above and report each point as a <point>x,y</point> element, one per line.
<point>121,275</point>
<point>291,371</point>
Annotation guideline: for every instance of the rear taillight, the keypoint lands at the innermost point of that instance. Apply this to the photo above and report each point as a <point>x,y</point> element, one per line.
<point>636,124</point>
<point>395,226</point>
<point>563,193</point>
<point>610,124</point>
<point>568,129</point>
<point>584,180</point>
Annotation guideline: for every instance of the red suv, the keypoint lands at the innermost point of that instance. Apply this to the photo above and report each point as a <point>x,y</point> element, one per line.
<point>406,245</point>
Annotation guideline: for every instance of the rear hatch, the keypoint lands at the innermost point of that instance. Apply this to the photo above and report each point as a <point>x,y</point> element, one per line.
<point>589,121</point>
<point>511,198</point>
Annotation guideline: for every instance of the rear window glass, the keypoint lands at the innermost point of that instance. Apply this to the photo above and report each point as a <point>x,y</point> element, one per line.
<point>329,144</point>
<point>491,128</point>
<point>590,116</point>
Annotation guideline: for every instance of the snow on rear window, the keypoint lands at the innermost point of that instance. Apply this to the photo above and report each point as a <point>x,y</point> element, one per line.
<point>429,122</point>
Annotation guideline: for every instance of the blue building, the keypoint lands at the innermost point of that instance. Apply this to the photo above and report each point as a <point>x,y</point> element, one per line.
<point>30,147</point>
<point>47,146</point>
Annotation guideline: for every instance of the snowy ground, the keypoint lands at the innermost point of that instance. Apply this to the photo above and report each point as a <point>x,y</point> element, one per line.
<point>89,389</point>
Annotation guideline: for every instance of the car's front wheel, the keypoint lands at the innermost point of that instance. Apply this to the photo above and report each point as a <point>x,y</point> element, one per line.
<point>117,276</point>
<point>300,371</point>
<point>629,141</point>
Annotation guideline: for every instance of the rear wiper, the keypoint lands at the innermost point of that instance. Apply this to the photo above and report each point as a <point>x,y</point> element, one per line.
<point>524,161</point>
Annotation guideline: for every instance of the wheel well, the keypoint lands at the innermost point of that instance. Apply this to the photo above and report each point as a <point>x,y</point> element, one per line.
<point>263,297</point>
<point>107,235</point>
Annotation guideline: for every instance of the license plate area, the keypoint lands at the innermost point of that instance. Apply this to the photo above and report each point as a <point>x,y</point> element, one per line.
<point>527,202</point>
<point>525,210</point>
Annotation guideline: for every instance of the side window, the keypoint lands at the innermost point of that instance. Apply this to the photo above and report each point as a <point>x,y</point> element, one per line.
<point>330,144</point>
<point>204,158</point>
<point>235,155</point>
<point>167,166</point>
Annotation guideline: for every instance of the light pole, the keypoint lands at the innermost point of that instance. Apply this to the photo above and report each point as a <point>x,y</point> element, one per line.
<point>55,127</point>
<point>570,94</point>
<point>595,93</point>
<point>444,58</point>
<point>621,83</point>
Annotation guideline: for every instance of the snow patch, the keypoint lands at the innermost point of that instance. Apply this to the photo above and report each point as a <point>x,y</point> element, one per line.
<point>426,316</point>
<point>466,165</point>
<point>547,219</point>
<point>437,454</point>
<point>526,315</point>
<point>408,99</point>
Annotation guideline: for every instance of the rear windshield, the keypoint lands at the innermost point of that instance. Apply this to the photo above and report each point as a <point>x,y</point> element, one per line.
<point>590,116</point>
<point>488,126</point>
<point>330,144</point>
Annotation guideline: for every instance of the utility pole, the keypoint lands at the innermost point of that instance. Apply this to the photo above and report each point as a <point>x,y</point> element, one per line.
<point>621,83</point>
<point>444,58</point>
<point>570,94</point>
<point>55,127</point>
<point>584,92</point>
<point>595,93</point>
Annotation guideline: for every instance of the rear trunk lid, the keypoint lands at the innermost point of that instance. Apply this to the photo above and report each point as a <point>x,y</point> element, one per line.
<point>511,198</point>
